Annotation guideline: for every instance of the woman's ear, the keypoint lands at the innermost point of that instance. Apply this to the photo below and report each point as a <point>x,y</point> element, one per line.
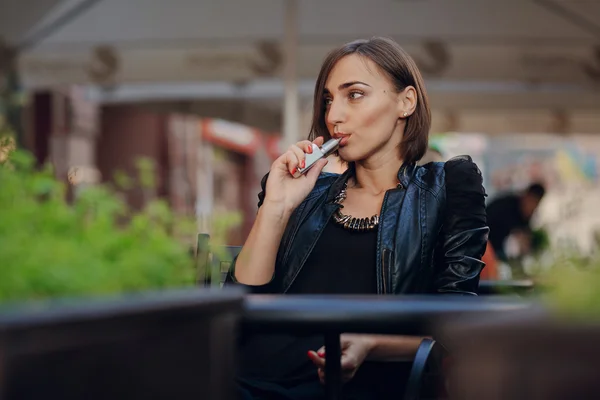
<point>407,102</point>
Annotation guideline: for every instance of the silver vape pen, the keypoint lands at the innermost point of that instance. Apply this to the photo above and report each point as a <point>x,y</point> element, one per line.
<point>318,152</point>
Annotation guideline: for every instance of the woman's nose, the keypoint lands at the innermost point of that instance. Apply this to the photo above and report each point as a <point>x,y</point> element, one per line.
<point>335,113</point>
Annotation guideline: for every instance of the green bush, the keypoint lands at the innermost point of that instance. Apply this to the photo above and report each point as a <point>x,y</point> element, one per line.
<point>571,284</point>
<point>94,246</point>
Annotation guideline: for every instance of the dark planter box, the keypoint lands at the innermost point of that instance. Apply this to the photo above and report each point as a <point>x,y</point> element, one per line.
<point>526,356</point>
<point>160,345</point>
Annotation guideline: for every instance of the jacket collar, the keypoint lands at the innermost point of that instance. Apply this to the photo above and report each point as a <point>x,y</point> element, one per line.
<point>405,173</point>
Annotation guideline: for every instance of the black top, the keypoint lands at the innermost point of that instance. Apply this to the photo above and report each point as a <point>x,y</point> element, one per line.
<point>504,216</point>
<point>342,262</point>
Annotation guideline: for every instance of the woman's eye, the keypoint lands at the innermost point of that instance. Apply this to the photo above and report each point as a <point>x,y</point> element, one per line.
<point>328,101</point>
<point>355,95</point>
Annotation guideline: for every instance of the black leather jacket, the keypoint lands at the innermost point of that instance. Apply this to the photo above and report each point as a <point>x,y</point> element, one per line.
<point>432,230</point>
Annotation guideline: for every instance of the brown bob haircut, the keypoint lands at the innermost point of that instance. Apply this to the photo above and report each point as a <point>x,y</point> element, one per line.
<point>401,70</point>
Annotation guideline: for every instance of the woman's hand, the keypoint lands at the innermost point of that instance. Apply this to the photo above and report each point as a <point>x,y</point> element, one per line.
<point>355,349</point>
<point>283,190</point>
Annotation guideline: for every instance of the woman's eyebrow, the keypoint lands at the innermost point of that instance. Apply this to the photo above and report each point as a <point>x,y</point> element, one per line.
<point>347,85</point>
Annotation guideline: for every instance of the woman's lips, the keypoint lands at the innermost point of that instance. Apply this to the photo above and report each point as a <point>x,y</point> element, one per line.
<point>344,140</point>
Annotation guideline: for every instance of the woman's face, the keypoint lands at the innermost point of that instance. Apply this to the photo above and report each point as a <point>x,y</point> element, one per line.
<point>363,107</point>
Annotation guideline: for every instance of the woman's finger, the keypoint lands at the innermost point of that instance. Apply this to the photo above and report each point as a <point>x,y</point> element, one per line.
<point>319,141</point>
<point>289,161</point>
<point>305,146</point>
<point>321,351</point>
<point>300,154</point>
<point>318,361</point>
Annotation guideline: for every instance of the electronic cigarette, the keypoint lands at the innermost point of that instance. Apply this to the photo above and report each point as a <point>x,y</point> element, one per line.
<point>318,152</point>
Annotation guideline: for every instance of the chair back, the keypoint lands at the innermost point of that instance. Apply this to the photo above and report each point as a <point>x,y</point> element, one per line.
<point>213,262</point>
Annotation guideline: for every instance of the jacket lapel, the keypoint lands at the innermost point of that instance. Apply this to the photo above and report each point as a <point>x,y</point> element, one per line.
<point>306,237</point>
<point>390,232</point>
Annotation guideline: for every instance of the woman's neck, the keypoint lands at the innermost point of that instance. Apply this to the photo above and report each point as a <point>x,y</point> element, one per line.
<point>379,173</point>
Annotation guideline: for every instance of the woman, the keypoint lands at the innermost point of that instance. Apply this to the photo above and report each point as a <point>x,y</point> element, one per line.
<point>423,227</point>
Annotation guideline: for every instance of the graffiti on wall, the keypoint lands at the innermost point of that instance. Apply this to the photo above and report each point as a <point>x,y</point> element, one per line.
<point>513,161</point>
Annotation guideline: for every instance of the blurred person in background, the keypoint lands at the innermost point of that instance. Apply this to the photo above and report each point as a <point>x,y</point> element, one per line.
<point>509,215</point>
<point>383,226</point>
